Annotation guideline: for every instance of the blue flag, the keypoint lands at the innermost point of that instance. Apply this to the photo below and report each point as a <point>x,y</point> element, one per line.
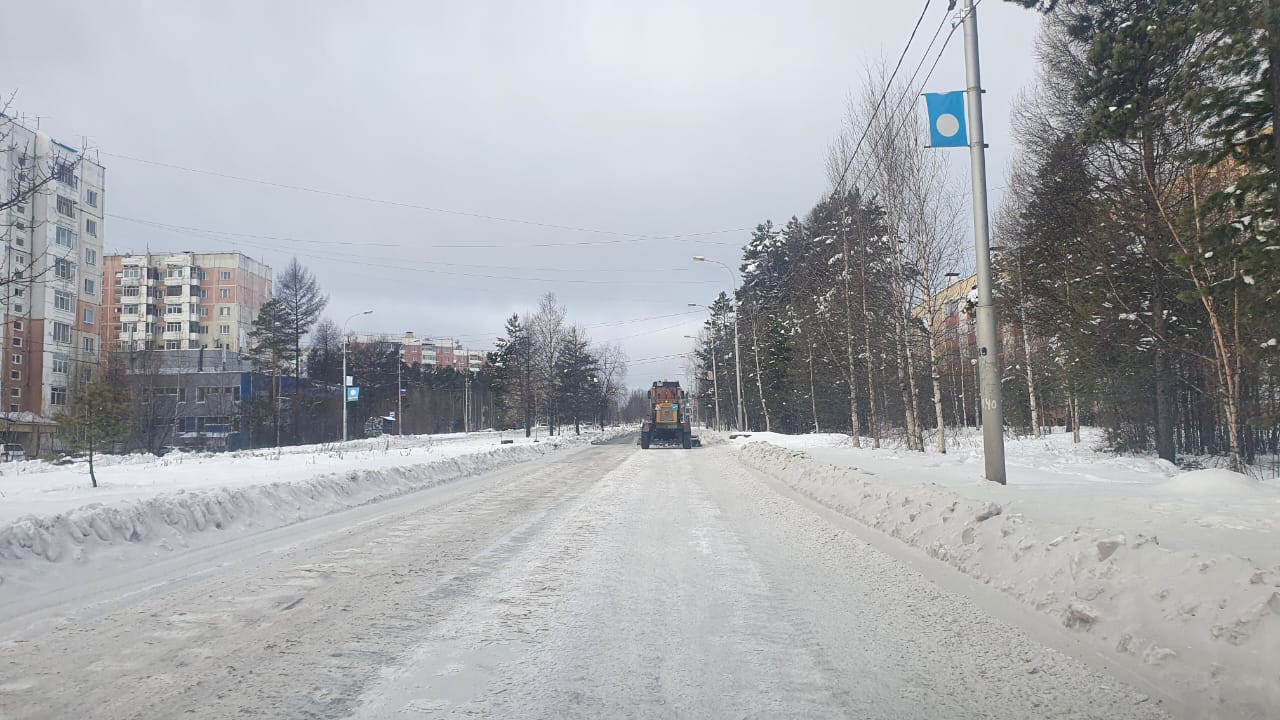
<point>946,119</point>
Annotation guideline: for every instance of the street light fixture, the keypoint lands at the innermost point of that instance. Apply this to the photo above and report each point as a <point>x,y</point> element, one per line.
<point>737,352</point>
<point>345,381</point>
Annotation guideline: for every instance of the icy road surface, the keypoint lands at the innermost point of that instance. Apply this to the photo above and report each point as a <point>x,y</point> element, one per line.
<point>598,583</point>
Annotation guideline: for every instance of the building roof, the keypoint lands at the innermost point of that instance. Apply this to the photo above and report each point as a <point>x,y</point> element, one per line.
<point>182,361</point>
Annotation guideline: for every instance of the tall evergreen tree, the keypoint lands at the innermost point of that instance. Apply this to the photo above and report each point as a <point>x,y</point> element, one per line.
<point>301,303</point>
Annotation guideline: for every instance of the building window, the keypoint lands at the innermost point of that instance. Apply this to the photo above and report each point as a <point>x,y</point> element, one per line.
<point>202,274</point>
<point>64,269</point>
<point>175,271</point>
<point>64,237</point>
<point>88,316</point>
<point>20,259</point>
<point>133,271</point>
<point>88,344</point>
<point>224,329</point>
<point>15,374</point>
<point>61,333</point>
<point>204,294</point>
<point>131,309</point>
<point>61,364</point>
<point>65,206</point>
<point>90,286</point>
<point>90,256</point>
<point>173,290</point>
<point>132,291</point>
<point>224,275</point>
<point>224,311</point>
<point>91,198</point>
<point>15,392</point>
<point>91,228</point>
<point>13,408</point>
<point>65,173</point>
<point>173,327</point>
<point>172,309</point>
<point>129,327</point>
<point>17,342</point>
<point>17,359</point>
<point>19,241</point>
<point>204,312</point>
<point>57,395</point>
<point>172,345</point>
<point>224,293</point>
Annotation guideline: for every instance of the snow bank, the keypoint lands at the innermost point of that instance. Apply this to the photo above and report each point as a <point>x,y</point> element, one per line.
<point>1212,483</point>
<point>157,504</point>
<point>1207,621</point>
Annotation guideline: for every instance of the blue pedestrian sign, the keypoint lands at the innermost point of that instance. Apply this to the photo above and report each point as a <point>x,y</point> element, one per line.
<point>353,393</point>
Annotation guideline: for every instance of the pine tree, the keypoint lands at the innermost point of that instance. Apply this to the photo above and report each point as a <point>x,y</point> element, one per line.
<point>577,370</point>
<point>98,414</point>
<point>271,349</point>
<point>301,302</point>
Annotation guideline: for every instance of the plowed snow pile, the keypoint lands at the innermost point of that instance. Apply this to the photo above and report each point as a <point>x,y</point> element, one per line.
<point>53,523</point>
<point>1180,570</point>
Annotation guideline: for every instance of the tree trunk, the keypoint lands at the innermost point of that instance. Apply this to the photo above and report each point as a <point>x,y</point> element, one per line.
<point>937,393</point>
<point>813,397</point>
<point>855,427</point>
<point>93,478</point>
<point>755,347</point>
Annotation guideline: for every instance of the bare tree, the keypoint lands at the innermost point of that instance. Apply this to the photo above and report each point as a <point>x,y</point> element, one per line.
<point>546,335</point>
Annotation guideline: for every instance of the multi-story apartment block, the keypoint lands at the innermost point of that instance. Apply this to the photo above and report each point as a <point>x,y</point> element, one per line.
<point>52,197</point>
<point>183,301</point>
<point>440,352</point>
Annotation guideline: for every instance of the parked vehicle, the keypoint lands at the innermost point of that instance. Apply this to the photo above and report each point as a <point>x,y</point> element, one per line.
<point>12,452</point>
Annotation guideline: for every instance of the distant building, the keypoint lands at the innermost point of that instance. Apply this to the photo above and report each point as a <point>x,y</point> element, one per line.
<point>52,235</point>
<point>440,352</point>
<point>183,301</point>
<point>190,398</point>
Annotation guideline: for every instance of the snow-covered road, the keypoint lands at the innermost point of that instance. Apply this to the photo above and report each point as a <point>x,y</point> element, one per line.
<point>601,582</point>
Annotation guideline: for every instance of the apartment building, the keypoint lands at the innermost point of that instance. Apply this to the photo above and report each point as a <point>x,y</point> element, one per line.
<point>441,352</point>
<point>52,230</point>
<point>183,301</point>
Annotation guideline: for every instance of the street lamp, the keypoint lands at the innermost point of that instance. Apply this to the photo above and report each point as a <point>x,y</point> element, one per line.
<point>345,382</point>
<point>715,374</point>
<point>737,351</point>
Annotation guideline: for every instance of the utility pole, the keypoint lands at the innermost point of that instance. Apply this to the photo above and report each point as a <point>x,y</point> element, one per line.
<point>988,342</point>
<point>345,382</point>
<point>399,393</point>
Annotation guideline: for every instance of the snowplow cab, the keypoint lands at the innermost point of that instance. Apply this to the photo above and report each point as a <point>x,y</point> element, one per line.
<point>667,422</point>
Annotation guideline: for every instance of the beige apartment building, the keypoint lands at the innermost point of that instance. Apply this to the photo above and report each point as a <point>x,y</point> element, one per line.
<point>51,230</point>
<point>183,301</point>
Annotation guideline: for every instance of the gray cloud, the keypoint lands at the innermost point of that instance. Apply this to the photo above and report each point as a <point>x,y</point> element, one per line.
<point>647,119</point>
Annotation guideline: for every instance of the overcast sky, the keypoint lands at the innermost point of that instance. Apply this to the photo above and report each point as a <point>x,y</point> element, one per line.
<point>611,120</point>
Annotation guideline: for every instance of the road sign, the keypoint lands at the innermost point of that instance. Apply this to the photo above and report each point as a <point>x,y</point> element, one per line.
<point>353,393</point>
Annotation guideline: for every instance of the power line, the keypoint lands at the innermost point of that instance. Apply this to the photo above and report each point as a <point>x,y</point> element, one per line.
<point>627,237</point>
<point>880,102</point>
<point>218,234</point>
<point>390,265</point>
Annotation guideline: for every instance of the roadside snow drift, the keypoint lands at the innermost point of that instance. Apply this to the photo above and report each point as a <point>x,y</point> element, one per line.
<point>1209,621</point>
<point>152,505</point>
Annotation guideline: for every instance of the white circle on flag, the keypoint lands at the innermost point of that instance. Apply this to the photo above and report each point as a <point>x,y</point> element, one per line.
<point>947,124</point>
